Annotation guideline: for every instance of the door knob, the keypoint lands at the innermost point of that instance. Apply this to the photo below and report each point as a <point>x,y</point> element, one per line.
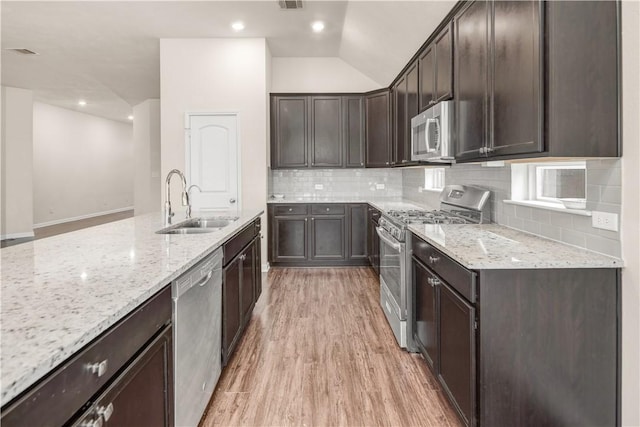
<point>232,200</point>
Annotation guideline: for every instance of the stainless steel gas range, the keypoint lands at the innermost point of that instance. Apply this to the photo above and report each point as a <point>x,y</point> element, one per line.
<point>458,205</point>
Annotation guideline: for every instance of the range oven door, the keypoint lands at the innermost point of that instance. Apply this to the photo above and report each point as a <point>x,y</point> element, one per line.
<point>392,271</point>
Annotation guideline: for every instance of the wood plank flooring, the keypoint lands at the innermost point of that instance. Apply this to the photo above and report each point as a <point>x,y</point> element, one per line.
<point>319,352</point>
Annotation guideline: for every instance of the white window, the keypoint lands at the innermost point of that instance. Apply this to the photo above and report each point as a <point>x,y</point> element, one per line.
<point>559,181</point>
<point>434,179</point>
<point>547,184</point>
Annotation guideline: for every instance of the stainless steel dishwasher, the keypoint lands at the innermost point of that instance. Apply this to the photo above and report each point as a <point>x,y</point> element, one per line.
<point>197,337</point>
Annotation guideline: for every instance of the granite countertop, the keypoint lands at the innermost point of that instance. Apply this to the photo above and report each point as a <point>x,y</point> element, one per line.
<point>61,292</point>
<point>492,246</point>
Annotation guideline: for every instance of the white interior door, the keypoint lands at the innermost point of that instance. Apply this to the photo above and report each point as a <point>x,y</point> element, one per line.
<point>212,160</point>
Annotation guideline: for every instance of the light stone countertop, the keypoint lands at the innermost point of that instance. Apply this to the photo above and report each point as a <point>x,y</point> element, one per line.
<point>492,246</point>
<point>61,292</point>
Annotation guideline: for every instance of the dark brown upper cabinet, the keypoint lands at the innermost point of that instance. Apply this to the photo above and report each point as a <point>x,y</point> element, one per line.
<point>326,144</point>
<point>405,107</point>
<point>471,26</point>
<point>378,129</point>
<point>353,124</point>
<point>536,79</point>
<point>436,70</point>
<point>317,131</point>
<point>289,131</point>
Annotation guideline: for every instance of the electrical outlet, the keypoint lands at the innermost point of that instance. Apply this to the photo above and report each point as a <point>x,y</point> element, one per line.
<point>379,186</point>
<point>319,186</point>
<point>604,220</point>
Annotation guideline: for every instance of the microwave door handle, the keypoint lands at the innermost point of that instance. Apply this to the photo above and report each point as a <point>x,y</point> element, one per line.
<point>439,138</point>
<point>428,134</point>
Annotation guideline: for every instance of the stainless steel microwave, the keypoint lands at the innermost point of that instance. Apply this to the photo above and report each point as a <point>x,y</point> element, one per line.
<point>432,134</point>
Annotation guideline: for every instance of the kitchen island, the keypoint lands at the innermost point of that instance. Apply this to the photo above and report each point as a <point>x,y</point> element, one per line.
<point>60,293</point>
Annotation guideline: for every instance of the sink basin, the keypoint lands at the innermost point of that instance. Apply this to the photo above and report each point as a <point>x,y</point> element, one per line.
<point>198,225</point>
<point>208,222</point>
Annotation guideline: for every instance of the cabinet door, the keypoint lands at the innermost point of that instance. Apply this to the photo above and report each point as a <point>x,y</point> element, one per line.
<point>326,132</point>
<point>412,109</point>
<point>328,237</point>
<point>143,393</point>
<point>353,126</point>
<point>258,269</point>
<point>247,281</point>
<point>457,361</point>
<point>425,330</point>
<point>444,65</point>
<point>231,313</point>
<point>373,242</point>
<point>358,231</point>
<point>399,120</point>
<point>378,134</point>
<point>470,86</point>
<point>517,73</point>
<point>289,131</point>
<point>289,238</point>
<point>427,67</point>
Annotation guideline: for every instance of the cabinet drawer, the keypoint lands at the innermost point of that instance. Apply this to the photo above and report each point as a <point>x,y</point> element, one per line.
<point>234,245</point>
<point>458,277</point>
<point>294,209</point>
<point>59,396</point>
<point>327,209</point>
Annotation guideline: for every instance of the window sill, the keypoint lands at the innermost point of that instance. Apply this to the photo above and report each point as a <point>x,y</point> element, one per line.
<point>432,190</point>
<point>548,206</point>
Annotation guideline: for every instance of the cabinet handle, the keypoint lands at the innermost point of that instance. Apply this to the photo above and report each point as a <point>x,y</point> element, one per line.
<point>305,220</point>
<point>205,279</point>
<point>99,368</point>
<point>386,163</point>
<point>361,164</point>
<point>243,257</point>
<point>433,281</point>
<point>328,209</point>
<point>433,259</point>
<point>290,209</point>
<point>106,411</point>
<point>313,219</point>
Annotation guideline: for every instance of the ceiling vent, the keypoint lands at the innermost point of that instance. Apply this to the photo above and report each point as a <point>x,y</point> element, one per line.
<point>290,4</point>
<point>23,51</point>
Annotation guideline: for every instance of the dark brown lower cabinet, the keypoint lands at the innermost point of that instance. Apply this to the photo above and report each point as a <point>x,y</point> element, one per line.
<point>373,242</point>
<point>328,238</point>
<point>142,395</point>
<point>526,347</point>
<point>318,234</point>
<point>241,287</point>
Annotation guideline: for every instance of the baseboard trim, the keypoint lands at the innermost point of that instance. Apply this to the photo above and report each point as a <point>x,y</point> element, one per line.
<point>78,218</point>
<point>16,235</point>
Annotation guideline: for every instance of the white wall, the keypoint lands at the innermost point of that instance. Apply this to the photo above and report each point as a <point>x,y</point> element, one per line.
<point>146,143</point>
<point>217,75</point>
<point>17,166</point>
<point>328,74</point>
<point>630,214</point>
<point>83,164</point>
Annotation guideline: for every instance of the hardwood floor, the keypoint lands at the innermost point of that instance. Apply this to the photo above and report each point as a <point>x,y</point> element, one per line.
<point>52,230</point>
<point>319,352</point>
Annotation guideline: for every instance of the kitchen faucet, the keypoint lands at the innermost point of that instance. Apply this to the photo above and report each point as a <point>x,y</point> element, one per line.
<point>185,196</point>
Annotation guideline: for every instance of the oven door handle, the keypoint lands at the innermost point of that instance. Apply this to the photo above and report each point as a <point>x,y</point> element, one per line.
<point>384,236</point>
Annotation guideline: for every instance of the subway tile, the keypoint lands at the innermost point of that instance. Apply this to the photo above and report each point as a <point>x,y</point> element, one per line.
<point>561,219</point>
<point>523,212</point>
<point>606,207</point>
<point>531,226</point>
<point>540,215</point>
<point>551,232</point>
<point>593,193</point>
<point>573,237</point>
<point>603,245</point>
<point>614,235</point>
<point>514,222</point>
<point>612,176</point>
<point>611,194</point>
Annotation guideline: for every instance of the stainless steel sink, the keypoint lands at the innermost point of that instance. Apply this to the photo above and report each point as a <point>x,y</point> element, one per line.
<point>199,225</point>
<point>207,222</point>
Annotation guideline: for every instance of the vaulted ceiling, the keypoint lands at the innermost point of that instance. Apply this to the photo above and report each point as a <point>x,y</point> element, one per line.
<point>107,52</point>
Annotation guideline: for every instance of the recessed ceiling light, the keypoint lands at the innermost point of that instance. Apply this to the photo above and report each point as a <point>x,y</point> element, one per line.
<point>82,103</point>
<point>130,117</point>
<point>238,26</point>
<point>317,26</point>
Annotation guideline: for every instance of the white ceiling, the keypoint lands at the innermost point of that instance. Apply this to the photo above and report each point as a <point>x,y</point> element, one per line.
<point>108,52</point>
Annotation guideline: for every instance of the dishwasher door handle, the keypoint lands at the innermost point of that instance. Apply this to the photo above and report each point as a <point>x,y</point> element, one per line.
<point>205,279</point>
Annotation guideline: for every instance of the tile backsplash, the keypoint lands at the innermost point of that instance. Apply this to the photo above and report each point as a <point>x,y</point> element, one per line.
<point>336,183</point>
<point>604,192</point>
